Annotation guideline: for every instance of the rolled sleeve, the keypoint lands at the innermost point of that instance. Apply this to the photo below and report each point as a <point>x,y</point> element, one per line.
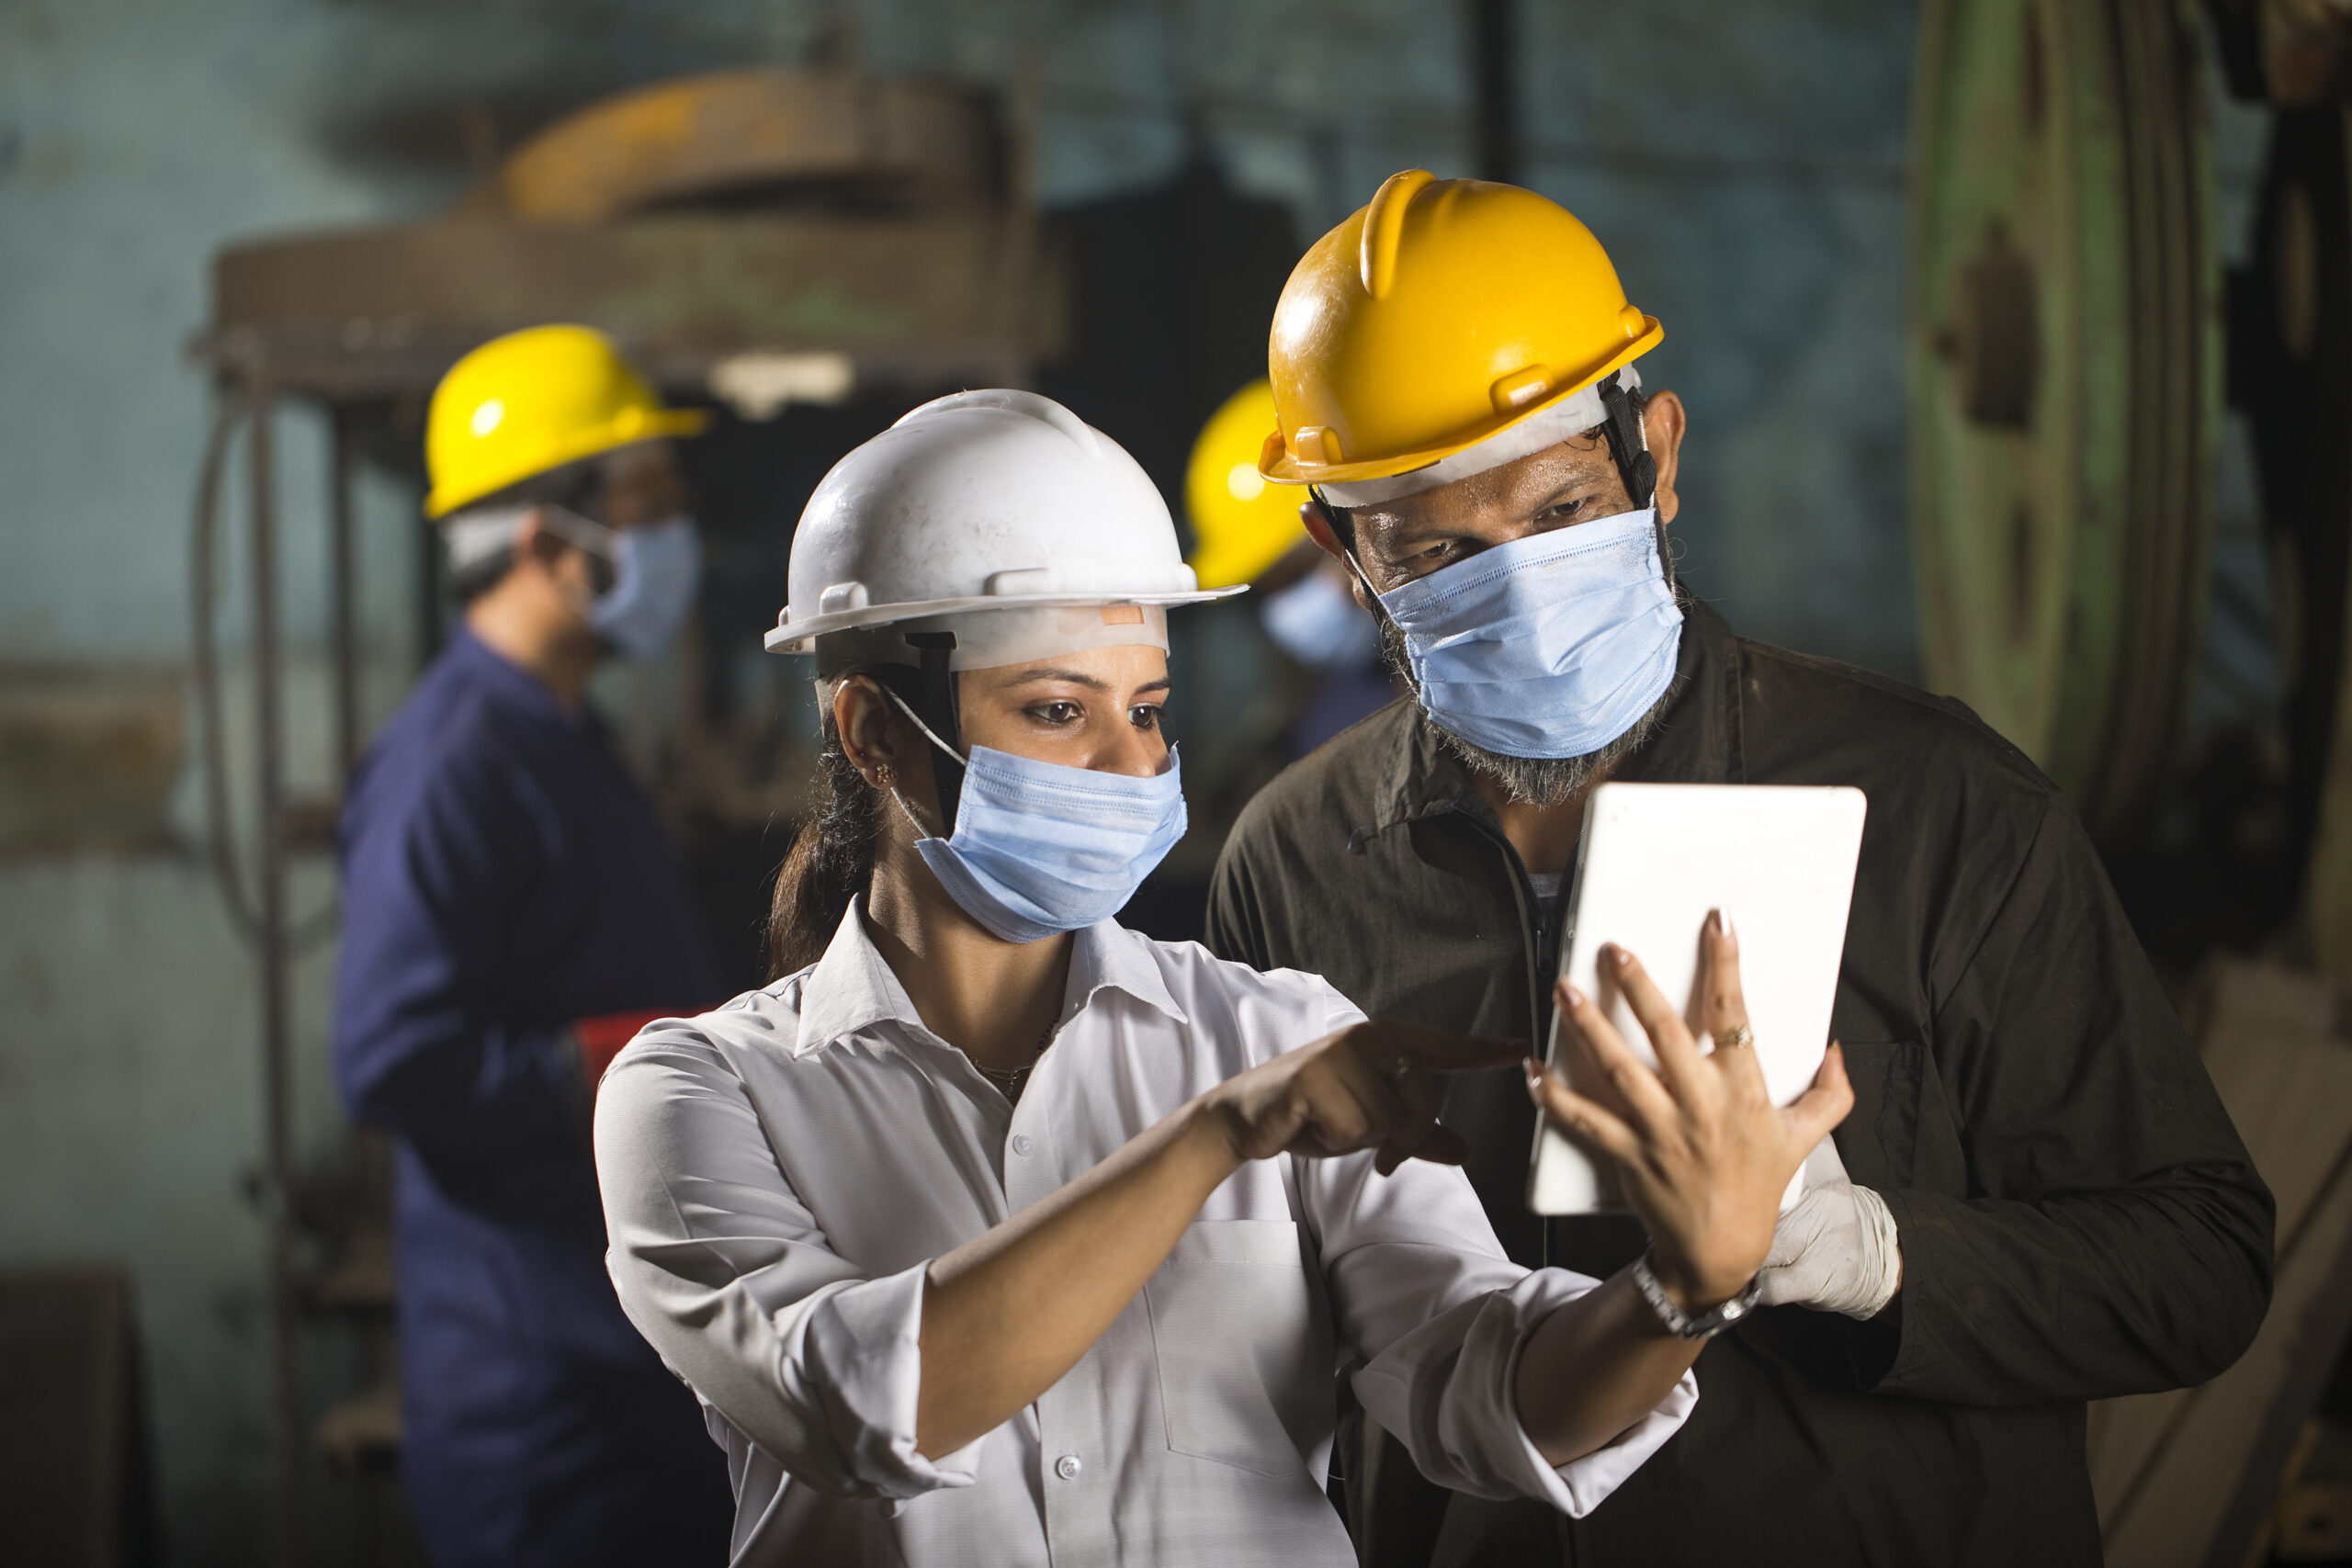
<point>725,1272</point>
<point>1439,1315</point>
<point>1445,1390</point>
<point>1578,1486</point>
<point>854,1353</point>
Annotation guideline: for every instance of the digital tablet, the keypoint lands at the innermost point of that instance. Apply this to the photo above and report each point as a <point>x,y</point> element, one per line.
<point>1654,860</point>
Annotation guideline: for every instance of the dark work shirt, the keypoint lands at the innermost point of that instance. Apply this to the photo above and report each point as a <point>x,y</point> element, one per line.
<point>504,876</point>
<point>2077,1216</point>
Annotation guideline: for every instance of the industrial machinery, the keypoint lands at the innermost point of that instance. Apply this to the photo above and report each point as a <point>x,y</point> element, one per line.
<point>2068,320</point>
<point>2065,379</point>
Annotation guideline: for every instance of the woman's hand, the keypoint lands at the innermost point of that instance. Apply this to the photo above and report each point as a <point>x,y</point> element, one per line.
<point>1703,1152</point>
<point>1369,1086</point>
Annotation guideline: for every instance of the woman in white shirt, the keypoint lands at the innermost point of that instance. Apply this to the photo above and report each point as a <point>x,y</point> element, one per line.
<point>997,1233</point>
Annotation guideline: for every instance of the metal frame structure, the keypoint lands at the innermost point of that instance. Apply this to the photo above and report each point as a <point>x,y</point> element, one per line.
<point>955,289</point>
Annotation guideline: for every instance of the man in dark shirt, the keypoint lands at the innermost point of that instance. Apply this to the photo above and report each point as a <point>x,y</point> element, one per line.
<point>510,898</point>
<point>2046,1203</point>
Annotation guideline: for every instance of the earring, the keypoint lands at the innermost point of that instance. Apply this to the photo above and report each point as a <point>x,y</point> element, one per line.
<point>885,776</point>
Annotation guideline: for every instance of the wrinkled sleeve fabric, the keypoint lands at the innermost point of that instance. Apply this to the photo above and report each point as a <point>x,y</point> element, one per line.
<point>1435,1316</point>
<point>436,867</point>
<point>726,1273</point>
<point>2115,1238</point>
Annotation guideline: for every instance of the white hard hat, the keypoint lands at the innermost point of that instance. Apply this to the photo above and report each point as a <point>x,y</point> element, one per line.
<point>976,504</point>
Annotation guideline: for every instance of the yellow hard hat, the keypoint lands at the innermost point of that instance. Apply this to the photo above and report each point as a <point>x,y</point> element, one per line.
<point>1241,525</point>
<point>532,400</point>
<point>1441,313</point>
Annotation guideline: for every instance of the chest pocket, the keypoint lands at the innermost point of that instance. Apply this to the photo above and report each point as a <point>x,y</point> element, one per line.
<point>1243,1345</point>
<point>1901,1132</point>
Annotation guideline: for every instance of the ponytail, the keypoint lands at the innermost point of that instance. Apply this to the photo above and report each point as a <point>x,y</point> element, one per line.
<point>829,863</point>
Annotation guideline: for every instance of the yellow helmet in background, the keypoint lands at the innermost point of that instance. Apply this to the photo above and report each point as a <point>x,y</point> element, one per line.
<point>532,400</point>
<point>1441,314</point>
<point>1241,525</point>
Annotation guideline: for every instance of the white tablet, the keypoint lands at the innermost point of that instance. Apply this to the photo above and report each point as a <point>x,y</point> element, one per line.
<point>1655,859</point>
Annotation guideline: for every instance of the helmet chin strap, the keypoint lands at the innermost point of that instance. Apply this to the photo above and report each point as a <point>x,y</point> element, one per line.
<point>1629,445</point>
<point>935,713</point>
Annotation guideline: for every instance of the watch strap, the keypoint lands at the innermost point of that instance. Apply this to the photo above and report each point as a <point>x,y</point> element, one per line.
<point>1683,1325</point>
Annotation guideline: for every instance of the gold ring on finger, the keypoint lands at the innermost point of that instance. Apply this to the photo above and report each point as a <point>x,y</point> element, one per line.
<point>1733,1038</point>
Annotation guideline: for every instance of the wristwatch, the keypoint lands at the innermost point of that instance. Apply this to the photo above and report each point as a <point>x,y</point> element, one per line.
<point>1708,1324</point>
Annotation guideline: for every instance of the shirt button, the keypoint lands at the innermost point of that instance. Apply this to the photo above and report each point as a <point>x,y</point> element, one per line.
<point>1024,1146</point>
<point>1068,1466</point>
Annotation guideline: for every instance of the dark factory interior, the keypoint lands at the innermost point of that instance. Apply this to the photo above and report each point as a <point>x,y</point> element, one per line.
<point>2006,359</point>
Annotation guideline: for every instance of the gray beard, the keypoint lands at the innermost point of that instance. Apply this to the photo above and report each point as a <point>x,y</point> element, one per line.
<point>1525,781</point>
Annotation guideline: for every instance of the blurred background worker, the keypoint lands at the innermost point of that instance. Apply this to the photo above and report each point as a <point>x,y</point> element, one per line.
<point>514,910</point>
<point>1247,531</point>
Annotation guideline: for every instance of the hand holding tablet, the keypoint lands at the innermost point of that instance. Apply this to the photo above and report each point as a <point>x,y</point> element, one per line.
<point>1656,862</point>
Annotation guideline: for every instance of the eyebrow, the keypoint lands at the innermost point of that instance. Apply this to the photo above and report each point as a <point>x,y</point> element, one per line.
<point>1077,677</point>
<point>1404,537</point>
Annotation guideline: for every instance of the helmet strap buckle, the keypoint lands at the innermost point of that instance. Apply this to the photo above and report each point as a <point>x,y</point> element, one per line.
<point>1629,444</point>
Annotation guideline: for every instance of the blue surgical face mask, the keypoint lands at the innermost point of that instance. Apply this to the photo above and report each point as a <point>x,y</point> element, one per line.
<point>1551,646</point>
<point>1317,621</point>
<point>1041,848</point>
<point>656,568</point>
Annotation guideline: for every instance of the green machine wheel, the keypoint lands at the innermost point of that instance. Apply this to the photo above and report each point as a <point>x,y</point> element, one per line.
<point>2065,379</point>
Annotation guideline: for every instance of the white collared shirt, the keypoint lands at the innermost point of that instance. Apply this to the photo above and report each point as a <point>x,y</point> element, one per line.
<point>777,1176</point>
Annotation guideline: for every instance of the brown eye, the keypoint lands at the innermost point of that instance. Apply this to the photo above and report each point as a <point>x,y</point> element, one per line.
<point>1144,715</point>
<point>1057,714</point>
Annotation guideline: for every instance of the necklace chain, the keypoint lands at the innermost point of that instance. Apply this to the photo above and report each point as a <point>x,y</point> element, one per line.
<point>1010,1079</point>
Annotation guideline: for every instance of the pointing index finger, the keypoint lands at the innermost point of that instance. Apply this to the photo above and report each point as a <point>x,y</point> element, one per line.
<point>1441,1051</point>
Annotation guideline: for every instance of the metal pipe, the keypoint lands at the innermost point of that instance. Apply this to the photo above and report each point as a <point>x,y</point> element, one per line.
<point>343,596</point>
<point>271,899</point>
<point>205,660</point>
<point>1494,84</point>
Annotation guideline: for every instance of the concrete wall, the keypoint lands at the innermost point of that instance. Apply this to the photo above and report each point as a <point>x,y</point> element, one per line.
<point>1744,162</point>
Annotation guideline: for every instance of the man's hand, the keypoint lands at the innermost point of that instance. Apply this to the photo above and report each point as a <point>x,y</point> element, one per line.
<point>1702,1151</point>
<point>1370,1086</point>
<point>1836,1251</point>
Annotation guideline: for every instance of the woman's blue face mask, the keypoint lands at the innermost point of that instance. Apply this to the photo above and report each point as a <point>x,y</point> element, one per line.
<point>1040,848</point>
<point>1552,646</point>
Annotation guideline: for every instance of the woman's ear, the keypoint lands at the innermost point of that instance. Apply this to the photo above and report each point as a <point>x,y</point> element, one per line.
<point>862,716</point>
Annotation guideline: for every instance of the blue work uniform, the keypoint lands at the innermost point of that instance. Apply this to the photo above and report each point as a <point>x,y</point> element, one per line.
<point>504,876</point>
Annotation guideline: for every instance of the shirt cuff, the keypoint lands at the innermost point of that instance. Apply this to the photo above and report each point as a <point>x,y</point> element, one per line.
<point>857,1358</point>
<point>1581,1485</point>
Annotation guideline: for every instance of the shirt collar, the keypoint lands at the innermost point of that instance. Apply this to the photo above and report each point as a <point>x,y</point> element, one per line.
<point>1108,953</point>
<point>1697,740</point>
<point>853,987</point>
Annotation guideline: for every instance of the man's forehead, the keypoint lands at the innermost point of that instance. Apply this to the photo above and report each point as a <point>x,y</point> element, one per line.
<point>1513,490</point>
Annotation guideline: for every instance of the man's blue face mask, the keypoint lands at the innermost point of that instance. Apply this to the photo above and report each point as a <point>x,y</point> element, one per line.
<point>1552,646</point>
<point>656,568</point>
<point>1040,848</point>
